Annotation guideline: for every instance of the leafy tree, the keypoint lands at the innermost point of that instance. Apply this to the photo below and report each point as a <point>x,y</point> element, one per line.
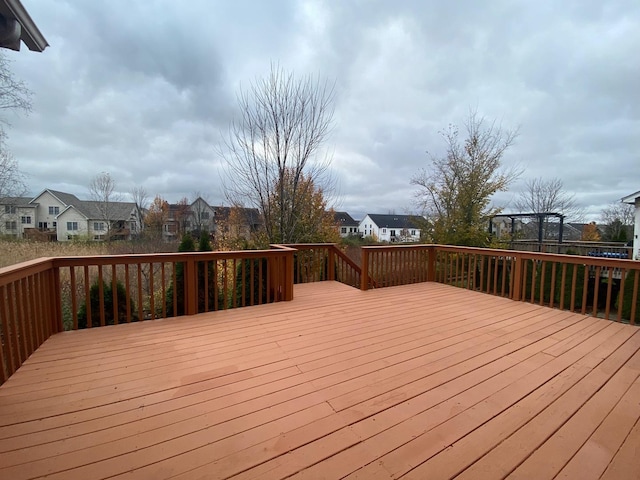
<point>94,301</point>
<point>157,215</point>
<point>273,150</point>
<point>627,299</point>
<point>590,233</point>
<point>456,190</point>
<point>314,222</point>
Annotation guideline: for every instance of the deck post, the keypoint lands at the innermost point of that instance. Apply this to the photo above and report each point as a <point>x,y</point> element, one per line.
<point>288,275</point>
<point>190,273</point>
<point>431,267</point>
<point>331,263</point>
<point>364,275</point>
<point>517,279</point>
<point>56,300</point>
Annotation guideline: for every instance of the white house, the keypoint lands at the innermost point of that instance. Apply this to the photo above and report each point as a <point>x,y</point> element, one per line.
<point>63,216</point>
<point>634,199</point>
<point>390,228</point>
<point>347,226</point>
<point>15,215</point>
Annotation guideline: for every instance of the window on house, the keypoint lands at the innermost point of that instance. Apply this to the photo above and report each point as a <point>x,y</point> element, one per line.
<point>25,220</point>
<point>393,233</point>
<point>98,225</point>
<point>10,225</point>
<point>413,232</point>
<point>54,210</point>
<point>11,209</point>
<point>343,230</point>
<point>205,215</point>
<point>55,224</point>
<point>72,226</point>
<point>384,230</point>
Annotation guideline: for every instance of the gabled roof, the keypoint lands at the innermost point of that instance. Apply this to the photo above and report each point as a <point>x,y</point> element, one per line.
<point>18,201</point>
<point>631,198</point>
<point>394,221</point>
<point>64,198</point>
<point>91,211</point>
<point>343,218</point>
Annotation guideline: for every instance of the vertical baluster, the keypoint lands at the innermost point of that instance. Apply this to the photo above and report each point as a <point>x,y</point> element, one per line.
<point>114,293</point>
<point>87,296</point>
<point>127,288</point>
<point>608,298</point>
<point>152,299</point>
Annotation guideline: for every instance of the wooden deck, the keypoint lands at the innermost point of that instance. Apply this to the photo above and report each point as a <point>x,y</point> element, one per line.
<point>422,381</point>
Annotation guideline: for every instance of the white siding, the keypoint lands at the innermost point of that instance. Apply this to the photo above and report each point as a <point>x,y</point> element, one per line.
<point>44,201</point>
<point>72,215</point>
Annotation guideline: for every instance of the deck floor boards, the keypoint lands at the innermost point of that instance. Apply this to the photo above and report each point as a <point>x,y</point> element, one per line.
<point>422,381</point>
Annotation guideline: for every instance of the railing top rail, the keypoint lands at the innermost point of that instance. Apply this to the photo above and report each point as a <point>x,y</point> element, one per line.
<point>162,257</point>
<point>20,270</point>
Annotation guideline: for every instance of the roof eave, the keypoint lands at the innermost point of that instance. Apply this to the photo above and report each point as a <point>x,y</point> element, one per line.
<point>30,33</point>
<point>631,198</point>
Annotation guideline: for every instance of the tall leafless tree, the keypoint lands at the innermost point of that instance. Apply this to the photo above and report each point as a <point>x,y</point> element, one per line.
<point>284,121</point>
<point>14,95</point>
<point>455,191</point>
<point>102,191</point>
<point>618,219</point>
<point>548,196</point>
<point>140,197</point>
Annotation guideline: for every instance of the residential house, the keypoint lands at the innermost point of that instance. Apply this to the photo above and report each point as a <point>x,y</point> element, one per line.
<point>634,199</point>
<point>390,228</point>
<point>55,215</point>
<point>87,219</point>
<point>199,216</point>
<point>16,214</point>
<point>347,226</point>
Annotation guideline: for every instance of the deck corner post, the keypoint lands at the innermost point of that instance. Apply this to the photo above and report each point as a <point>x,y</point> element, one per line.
<point>517,279</point>
<point>190,286</point>
<point>431,266</point>
<point>288,275</point>
<point>364,275</point>
<point>331,262</point>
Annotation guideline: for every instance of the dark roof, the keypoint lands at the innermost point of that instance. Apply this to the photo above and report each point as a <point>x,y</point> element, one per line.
<point>21,201</point>
<point>117,210</point>
<point>395,221</point>
<point>251,215</point>
<point>66,198</point>
<point>343,218</point>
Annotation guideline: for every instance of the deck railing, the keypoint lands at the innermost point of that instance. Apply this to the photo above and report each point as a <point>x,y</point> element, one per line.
<point>317,262</point>
<point>46,296</point>
<point>43,297</point>
<point>603,287</point>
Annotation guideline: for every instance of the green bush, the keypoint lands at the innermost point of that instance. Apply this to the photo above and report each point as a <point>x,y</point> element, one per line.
<point>107,291</point>
<point>627,299</point>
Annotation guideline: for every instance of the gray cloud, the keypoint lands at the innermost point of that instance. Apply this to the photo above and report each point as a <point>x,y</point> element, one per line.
<point>145,89</point>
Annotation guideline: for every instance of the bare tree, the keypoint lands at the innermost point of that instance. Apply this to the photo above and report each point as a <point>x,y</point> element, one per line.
<point>102,191</point>
<point>456,190</point>
<point>14,95</point>
<point>201,213</point>
<point>618,220</point>
<point>283,124</point>
<point>547,196</point>
<point>140,197</point>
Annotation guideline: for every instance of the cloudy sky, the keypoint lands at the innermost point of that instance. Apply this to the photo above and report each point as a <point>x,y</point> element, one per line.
<point>145,90</point>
